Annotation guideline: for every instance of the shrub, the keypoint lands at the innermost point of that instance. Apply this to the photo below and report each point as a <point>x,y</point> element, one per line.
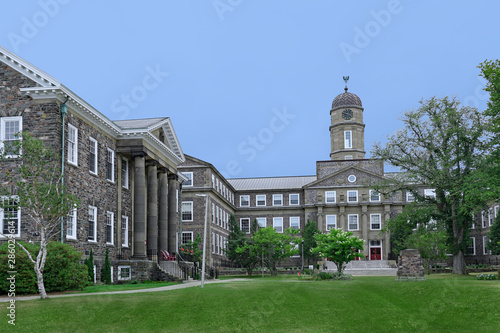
<point>308,271</point>
<point>106,270</point>
<point>89,262</point>
<point>323,276</point>
<point>486,277</point>
<point>62,271</point>
<point>341,276</point>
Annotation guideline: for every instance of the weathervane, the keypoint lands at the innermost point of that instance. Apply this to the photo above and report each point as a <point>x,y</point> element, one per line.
<point>346,78</point>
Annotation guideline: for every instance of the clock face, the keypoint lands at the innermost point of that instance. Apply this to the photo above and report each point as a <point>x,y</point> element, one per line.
<point>347,114</point>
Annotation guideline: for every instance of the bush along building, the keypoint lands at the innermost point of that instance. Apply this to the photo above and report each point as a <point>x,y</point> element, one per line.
<point>125,173</point>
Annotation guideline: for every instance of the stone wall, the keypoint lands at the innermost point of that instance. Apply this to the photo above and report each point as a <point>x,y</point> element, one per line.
<point>410,266</point>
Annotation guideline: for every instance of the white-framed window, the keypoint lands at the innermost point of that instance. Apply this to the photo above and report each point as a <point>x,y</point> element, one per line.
<point>352,196</point>
<point>187,211</point>
<point>351,178</point>
<point>110,217</point>
<point>353,222</point>
<point>483,218</point>
<point>485,243</point>
<point>331,222</point>
<point>110,165</point>
<point>124,273</point>
<point>93,155</point>
<point>347,139</point>
<point>217,215</point>
<point>213,242</point>
<point>92,233</point>
<point>471,249</point>
<point>496,210</point>
<point>261,222</point>
<point>217,184</point>
<point>71,224</point>
<point>124,231</point>
<point>277,199</point>
<point>473,225</point>
<point>374,196</point>
<point>295,222</point>
<point>294,199</point>
<point>375,222</point>
<point>278,224</point>
<point>213,180</point>
<point>330,197</point>
<point>245,225</point>
<point>244,201</point>
<point>260,199</point>
<point>213,213</point>
<point>187,237</point>
<point>189,181</point>
<point>125,172</point>
<point>72,144</point>
<point>217,244</point>
<point>430,193</point>
<point>410,197</point>
<point>490,217</point>
<point>10,129</point>
<point>10,215</point>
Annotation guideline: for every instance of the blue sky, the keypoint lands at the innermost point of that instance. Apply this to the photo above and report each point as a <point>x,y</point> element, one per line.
<point>248,85</point>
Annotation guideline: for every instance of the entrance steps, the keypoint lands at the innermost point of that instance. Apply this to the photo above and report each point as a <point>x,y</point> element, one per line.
<point>366,268</point>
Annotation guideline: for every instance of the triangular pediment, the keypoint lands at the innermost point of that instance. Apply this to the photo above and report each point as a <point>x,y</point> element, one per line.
<point>340,178</point>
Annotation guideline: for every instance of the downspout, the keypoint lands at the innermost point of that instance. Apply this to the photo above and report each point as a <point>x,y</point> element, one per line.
<point>64,111</point>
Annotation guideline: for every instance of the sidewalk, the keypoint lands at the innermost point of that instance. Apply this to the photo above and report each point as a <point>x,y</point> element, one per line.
<point>4,299</point>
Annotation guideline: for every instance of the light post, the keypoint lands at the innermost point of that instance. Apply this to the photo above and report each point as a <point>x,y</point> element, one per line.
<point>302,255</point>
<point>204,240</point>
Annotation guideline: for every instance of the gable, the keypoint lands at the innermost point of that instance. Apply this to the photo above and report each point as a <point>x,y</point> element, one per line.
<point>340,178</point>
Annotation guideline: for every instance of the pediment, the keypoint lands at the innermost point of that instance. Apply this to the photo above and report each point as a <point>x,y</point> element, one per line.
<point>340,178</point>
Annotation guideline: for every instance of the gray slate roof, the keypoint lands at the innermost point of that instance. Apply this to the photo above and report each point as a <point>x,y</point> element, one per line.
<point>346,99</point>
<point>271,183</point>
<point>138,123</point>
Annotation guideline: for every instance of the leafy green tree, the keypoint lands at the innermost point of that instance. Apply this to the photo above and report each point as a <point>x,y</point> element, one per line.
<point>430,240</point>
<point>494,237</point>
<point>89,262</point>
<point>442,147</point>
<point>106,270</point>
<point>339,246</point>
<point>37,181</point>
<point>238,239</point>
<point>272,247</point>
<point>309,240</point>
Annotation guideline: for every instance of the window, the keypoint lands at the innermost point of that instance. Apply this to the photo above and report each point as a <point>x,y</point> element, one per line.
<point>410,197</point>
<point>331,222</point>
<point>217,184</point>
<point>72,144</point>
<point>213,180</point>
<point>217,243</point>
<point>213,213</point>
<point>277,199</point>
<point>330,197</point>
<point>430,193</point>
<point>351,178</point>
<point>10,216</point>
<point>261,222</point>
<point>245,225</point>
<point>124,173</point>
<point>93,156</point>
<point>125,231</point>
<point>347,139</point>
<point>485,243</point>
<point>187,237</point>
<point>483,218</point>
<point>353,222</point>
<point>110,165</point>
<point>374,196</point>
<point>92,235</point>
<point>294,199</point>
<point>352,196</point>
<point>260,199</point>
<point>496,211</point>
<point>10,129</point>
<point>295,222</point>
<point>217,215</point>
<point>375,222</point>
<point>124,273</point>
<point>189,182</point>
<point>187,211</point>
<point>71,224</point>
<point>490,217</point>
<point>213,242</point>
<point>109,227</point>
<point>278,224</point>
<point>471,249</point>
<point>244,200</point>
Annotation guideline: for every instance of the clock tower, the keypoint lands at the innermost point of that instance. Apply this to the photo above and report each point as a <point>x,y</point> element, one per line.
<point>347,130</point>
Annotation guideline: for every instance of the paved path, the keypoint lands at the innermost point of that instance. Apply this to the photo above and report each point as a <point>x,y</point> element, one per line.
<point>148,290</point>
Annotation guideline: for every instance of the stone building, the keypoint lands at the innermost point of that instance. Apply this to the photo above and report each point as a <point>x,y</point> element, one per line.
<point>123,172</point>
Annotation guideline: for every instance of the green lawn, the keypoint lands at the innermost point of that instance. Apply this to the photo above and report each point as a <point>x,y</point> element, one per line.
<point>443,303</point>
<point>119,287</point>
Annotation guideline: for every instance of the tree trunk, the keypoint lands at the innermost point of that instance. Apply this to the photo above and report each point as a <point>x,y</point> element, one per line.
<point>459,263</point>
<point>249,271</point>
<point>41,286</point>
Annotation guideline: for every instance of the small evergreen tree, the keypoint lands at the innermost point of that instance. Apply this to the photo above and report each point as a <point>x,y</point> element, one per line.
<point>310,230</point>
<point>106,270</point>
<point>494,237</point>
<point>90,266</point>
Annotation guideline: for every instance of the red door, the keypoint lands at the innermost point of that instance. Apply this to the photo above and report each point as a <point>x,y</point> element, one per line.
<point>375,253</point>
<point>356,250</point>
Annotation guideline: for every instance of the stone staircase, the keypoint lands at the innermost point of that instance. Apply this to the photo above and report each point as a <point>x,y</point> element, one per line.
<point>171,268</point>
<point>366,268</point>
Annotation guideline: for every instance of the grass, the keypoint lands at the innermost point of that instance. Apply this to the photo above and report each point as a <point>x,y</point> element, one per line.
<point>120,287</point>
<point>443,303</point>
